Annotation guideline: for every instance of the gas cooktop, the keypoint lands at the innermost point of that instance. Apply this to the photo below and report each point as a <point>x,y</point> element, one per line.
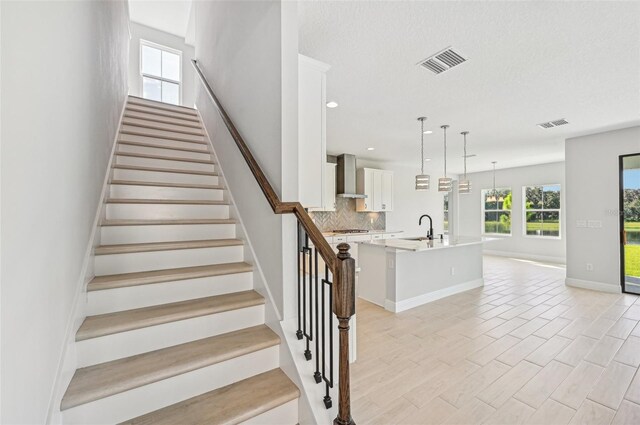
<point>351,231</point>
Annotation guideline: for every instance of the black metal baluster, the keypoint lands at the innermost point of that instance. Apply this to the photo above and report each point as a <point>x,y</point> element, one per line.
<point>328,382</point>
<point>317,376</point>
<point>306,301</point>
<point>300,254</point>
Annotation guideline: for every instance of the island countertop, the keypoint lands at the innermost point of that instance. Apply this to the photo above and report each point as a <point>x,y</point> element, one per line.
<point>407,244</point>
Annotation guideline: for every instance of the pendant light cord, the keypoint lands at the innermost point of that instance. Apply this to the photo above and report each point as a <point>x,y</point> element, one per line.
<point>465,156</point>
<point>445,150</point>
<point>422,146</point>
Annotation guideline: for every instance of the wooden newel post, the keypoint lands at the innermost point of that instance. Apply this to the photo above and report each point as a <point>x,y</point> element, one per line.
<point>344,306</point>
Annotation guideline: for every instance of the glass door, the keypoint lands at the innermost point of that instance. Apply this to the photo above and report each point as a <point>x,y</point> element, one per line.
<point>630,222</point>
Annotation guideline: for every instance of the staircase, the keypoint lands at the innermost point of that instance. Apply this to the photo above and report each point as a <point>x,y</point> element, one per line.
<point>174,332</point>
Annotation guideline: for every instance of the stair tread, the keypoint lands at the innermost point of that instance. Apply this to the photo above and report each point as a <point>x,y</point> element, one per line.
<point>162,105</point>
<point>165,246</point>
<point>134,107</point>
<point>122,321</point>
<point>103,380</point>
<point>149,116</point>
<point>159,134</point>
<point>141,122</point>
<point>165,201</point>
<point>163,157</point>
<point>164,170</point>
<point>158,222</point>
<point>166,184</point>
<point>167,275</point>
<point>227,405</point>
<point>166,147</point>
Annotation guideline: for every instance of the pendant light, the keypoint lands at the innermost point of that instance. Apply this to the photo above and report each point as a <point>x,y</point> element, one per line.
<point>422,179</point>
<point>445,183</point>
<point>464,186</point>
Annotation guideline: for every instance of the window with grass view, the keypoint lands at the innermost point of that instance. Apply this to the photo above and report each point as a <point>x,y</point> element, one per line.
<point>496,211</point>
<point>160,72</point>
<point>542,210</point>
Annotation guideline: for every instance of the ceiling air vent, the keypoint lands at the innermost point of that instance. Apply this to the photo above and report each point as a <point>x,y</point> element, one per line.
<point>554,123</point>
<point>442,61</point>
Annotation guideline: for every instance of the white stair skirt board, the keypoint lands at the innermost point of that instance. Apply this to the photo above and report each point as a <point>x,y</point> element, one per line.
<point>161,134</point>
<point>111,235</point>
<point>138,296</point>
<point>132,138</point>
<point>163,163</point>
<point>154,117</point>
<point>164,177</point>
<point>157,260</point>
<point>145,399</point>
<point>595,286</point>
<point>130,191</point>
<point>125,344</point>
<point>407,304</point>
<point>164,151</point>
<point>285,414</point>
<point>161,211</point>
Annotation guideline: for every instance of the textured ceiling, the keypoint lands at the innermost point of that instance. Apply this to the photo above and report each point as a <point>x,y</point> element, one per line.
<point>170,16</point>
<point>529,62</point>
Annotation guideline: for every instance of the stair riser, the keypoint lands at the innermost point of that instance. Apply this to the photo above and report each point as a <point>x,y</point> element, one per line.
<point>111,235</point>
<point>123,147</point>
<point>124,344</point>
<point>286,414</point>
<point>147,398</point>
<point>163,142</point>
<point>163,163</point>
<point>156,176</point>
<point>161,134</point>
<point>147,261</point>
<point>159,192</point>
<point>128,298</point>
<point>162,126</point>
<point>162,211</point>
<point>153,117</point>
<point>162,106</point>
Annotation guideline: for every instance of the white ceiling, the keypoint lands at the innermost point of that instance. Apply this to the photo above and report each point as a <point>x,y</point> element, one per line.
<point>529,62</point>
<point>170,16</point>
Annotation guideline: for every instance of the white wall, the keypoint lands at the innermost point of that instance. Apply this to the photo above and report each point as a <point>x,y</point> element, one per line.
<point>231,39</point>
<point>139,31</point>
<point>64,81</point>
<point>592,194</point>
<point>517,245</point>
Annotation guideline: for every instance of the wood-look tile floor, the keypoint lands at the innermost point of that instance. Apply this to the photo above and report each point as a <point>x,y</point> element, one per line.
<point>524,349</point>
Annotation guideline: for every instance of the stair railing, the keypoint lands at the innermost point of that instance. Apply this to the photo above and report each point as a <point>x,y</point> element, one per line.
<point>339,277</point>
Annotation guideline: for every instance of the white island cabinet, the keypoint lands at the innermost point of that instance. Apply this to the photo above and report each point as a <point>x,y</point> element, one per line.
<point>399,274</point>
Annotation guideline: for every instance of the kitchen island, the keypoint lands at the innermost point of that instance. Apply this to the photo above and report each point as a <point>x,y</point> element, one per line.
<point>399,274</point>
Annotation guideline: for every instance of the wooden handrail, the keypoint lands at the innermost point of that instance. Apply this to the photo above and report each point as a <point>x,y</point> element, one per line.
<point>341,265</point>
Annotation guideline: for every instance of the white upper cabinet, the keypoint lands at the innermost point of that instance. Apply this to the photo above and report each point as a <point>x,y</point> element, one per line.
<point>312,146</point>
<point>328,189</point>
<point>377,185</point>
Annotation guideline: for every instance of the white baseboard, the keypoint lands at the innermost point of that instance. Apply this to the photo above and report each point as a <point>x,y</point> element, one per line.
<point>523,256</point>
<point>595,286</point>
<point>407,304</point>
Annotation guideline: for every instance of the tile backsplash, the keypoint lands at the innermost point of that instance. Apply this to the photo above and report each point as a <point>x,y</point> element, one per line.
<point>346,217</point>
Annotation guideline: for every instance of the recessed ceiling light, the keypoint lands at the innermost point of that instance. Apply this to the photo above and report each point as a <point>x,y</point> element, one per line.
<point>428,132</point>
<point>332,104</point>
<point>427,159</point>
<point>371,149</point>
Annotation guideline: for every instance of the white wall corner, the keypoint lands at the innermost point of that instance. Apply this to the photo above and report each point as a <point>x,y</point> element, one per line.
<point>68,358</point>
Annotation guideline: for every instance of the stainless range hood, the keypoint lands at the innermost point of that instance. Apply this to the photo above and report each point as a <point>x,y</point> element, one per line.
<point>346,177</point>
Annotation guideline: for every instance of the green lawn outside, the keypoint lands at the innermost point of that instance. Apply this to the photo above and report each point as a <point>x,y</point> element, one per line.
<point>632,260</point>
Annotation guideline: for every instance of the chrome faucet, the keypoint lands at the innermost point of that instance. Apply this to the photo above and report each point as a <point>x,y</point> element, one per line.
<point>430,231</point>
